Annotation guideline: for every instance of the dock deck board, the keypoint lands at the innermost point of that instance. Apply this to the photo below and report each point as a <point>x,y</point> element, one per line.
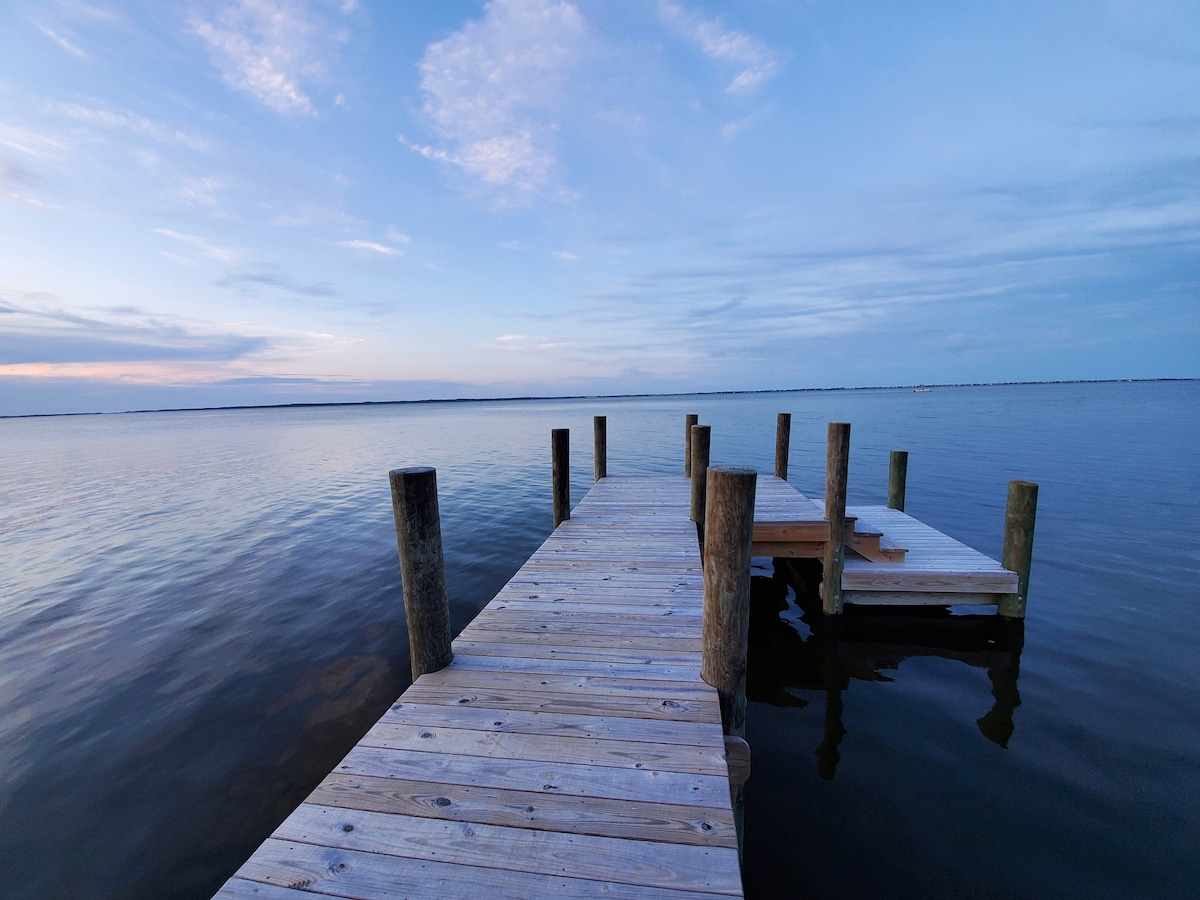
<point>935,564</point>
<point>570,748</point>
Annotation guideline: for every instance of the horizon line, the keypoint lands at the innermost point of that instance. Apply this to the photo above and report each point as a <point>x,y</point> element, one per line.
<point>314,403</point>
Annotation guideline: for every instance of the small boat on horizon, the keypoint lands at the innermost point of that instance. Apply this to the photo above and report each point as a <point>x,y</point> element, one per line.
<point>922,390</point>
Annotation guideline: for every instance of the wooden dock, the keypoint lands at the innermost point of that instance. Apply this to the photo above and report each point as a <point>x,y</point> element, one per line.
<point>571,746</point>
<point>570,749</point>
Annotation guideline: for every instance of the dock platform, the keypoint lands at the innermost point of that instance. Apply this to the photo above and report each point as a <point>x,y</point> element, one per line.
<point>570,749</point>
<point>892,559</point>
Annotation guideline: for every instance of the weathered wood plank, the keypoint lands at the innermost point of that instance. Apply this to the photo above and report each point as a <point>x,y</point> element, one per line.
<point>587,685</point>
<point>559,639</point>
<point>602,652</point>
<point>698,734</point>
<point>504,660</point>
<point>609,625</point>
<point>363,876</point>
<point>665,822</point>
<point>561,702</point>
<point>653,786</point>
<point>547,748</point>
<point>619,860</point>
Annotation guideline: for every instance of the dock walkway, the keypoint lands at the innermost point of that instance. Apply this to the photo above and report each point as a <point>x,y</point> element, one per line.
<point>570,749</point>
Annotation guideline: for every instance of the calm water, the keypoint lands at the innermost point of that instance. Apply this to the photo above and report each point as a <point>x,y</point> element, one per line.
<point>201,613</point>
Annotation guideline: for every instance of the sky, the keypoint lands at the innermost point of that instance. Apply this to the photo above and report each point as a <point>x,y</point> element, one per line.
<point>235,202</point>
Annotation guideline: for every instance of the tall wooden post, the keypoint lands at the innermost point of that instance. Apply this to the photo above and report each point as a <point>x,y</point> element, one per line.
<point>783,442</point>
<point>422,567</point>
<point>1017,556</point>
<point>690,420</point>
<point>837,467</point>
<point>701,435</point>
<point>897,476</point>
<point>560,453</point>
<point>600,446</point>
<point>729,536</point>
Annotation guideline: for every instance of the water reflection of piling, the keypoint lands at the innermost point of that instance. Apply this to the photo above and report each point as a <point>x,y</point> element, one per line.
<point>863,644</point>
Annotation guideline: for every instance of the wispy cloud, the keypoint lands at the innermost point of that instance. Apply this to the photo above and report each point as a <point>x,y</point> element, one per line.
<point>200,191</point>
<point>564,254</point>
<point>207,248</point>
<point>29,142</point>
<point>757,62</point>
<point>130,122</point>
<point>65,44</point>
<point>491,89</point>
<point>43,333</point>
<point>251,283</point>
<point>370,246</point>
<point>274,50</point>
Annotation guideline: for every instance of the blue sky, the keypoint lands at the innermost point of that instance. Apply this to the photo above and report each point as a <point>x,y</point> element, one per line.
<point>258,201</point>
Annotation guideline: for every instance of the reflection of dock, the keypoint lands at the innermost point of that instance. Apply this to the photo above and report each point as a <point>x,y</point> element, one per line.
<point>865,644</point>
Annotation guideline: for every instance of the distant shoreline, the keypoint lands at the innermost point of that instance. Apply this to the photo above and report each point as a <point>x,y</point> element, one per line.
<point>879,387</point>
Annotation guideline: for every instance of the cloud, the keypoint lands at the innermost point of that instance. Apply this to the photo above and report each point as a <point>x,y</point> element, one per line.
<point>130,122</point>
<point>75,51</point>
<point>28,142</point>
<point>270,49</point>
<point>564,254</point>
<point>205,247</point>
<point>200,191</point>
<point>370,246</point>
<point>396,236</point>
<point>46,335</point>
<point>250,284</point>
<point>758,63</point>
<point>491,90</point>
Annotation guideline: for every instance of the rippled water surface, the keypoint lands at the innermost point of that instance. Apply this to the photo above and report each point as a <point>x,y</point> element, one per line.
<point>200,613</point>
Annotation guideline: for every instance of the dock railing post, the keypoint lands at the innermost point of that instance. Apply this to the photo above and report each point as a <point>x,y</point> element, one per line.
<point>729,536</point>
<point>837,466</point>
<point>783,442</point>
<point>897,477</point>
<point>600,447</point>
<point>422,567</point>
<point>1017,556</point>
<point>701,438</point>
<point>690,420</point>
<point>560,453</point>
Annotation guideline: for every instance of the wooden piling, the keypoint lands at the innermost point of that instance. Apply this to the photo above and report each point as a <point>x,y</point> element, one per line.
<point>422,567</point>
<point>701,435</point>
<point>729,536</point>
<point>897,477</point>
<point>600,447</point>
<point>1017,556</point>
<point>690,420</point>
<point>783,442</point>
<point>560,453</point>
<point>837,465</point>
